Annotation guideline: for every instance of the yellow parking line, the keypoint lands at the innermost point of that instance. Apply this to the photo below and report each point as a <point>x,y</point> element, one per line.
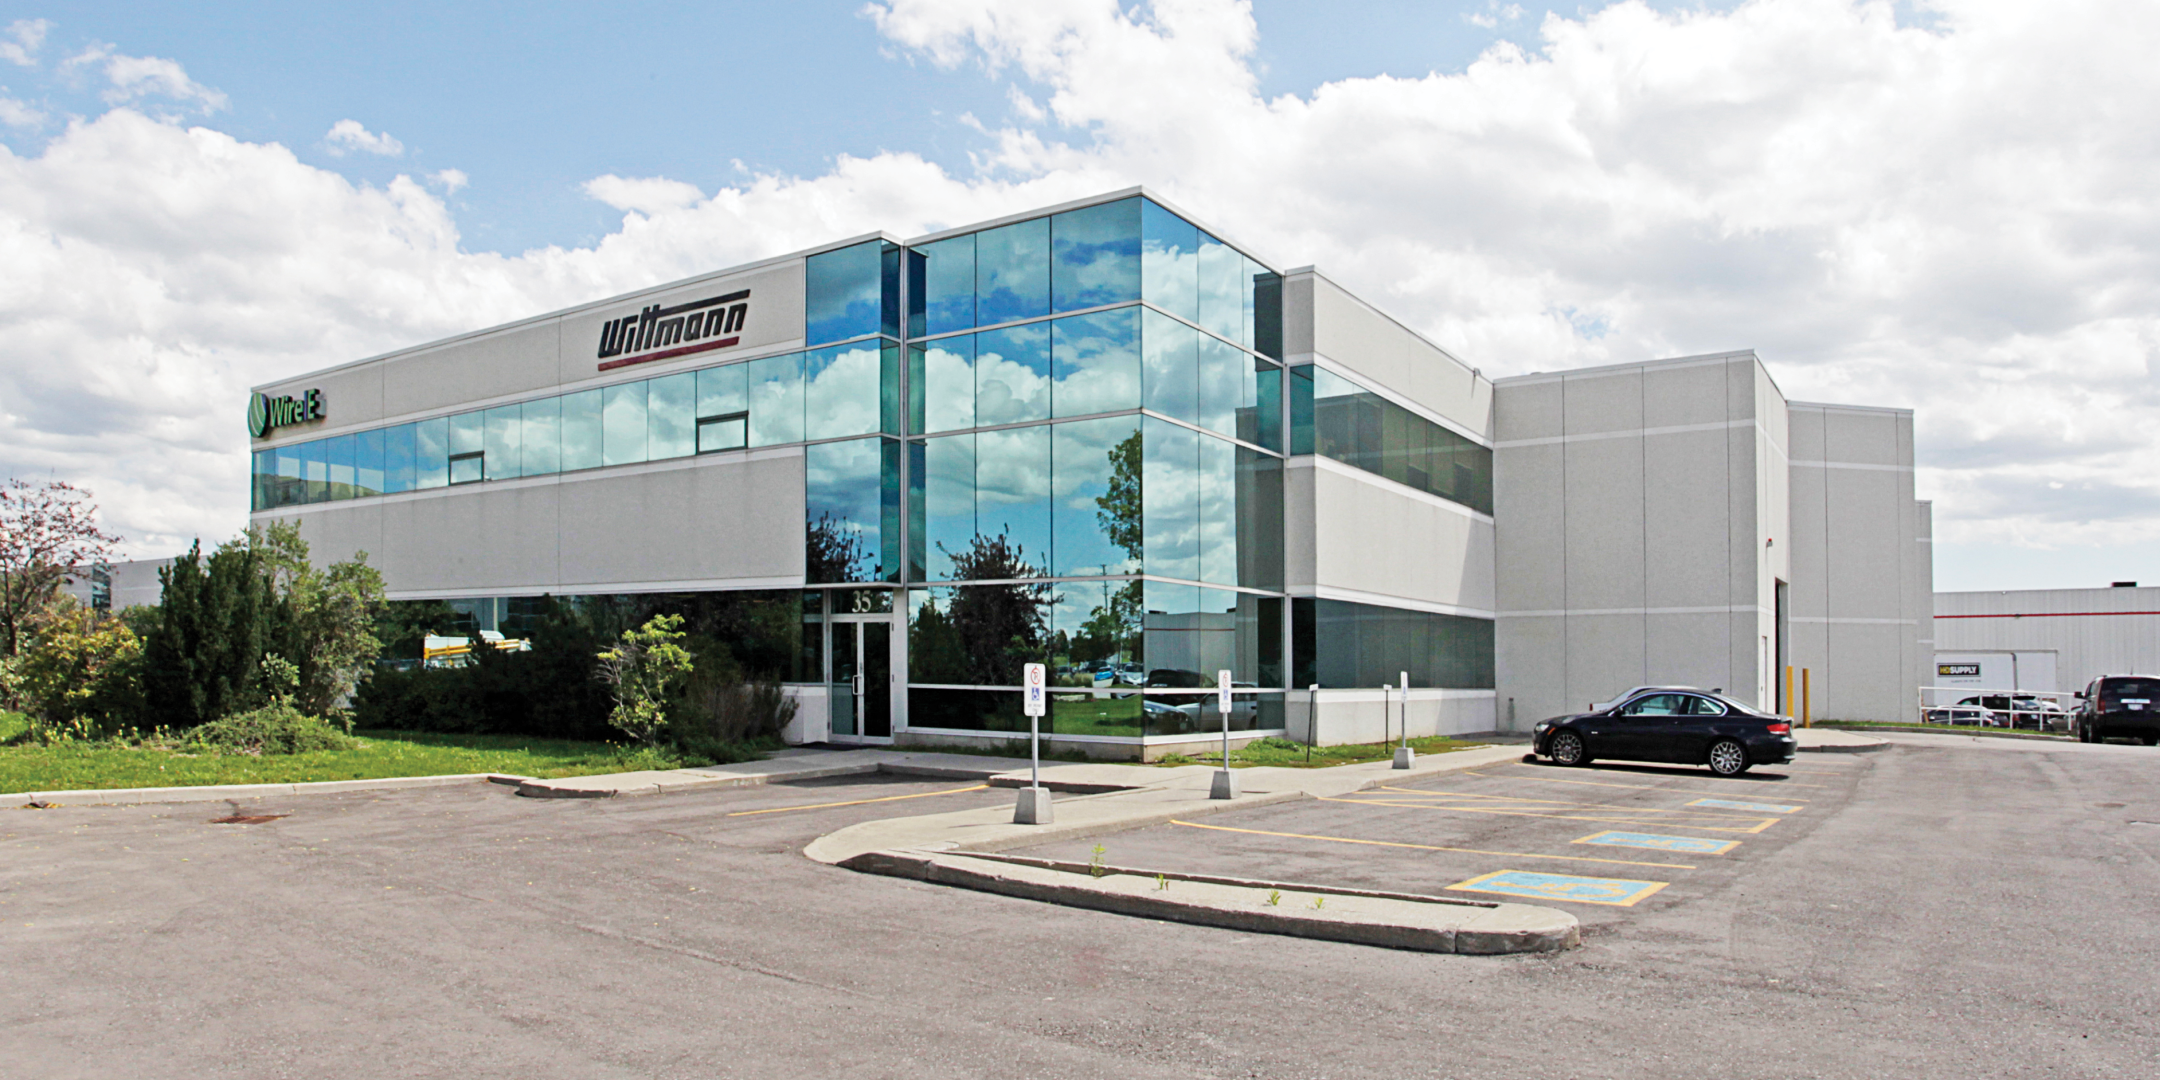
<point>1431,847</point>
<point>857,802</point>
<point>1761,824</point>
<point>1641,787</point>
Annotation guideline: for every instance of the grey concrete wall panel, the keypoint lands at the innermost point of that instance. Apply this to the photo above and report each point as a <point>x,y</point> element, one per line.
<point>1368,716</point>
<point>1687,648</point>
<point>1605,524</point>
<point>1297,314</point>
<point>1380,351</point>
<point>1298,536</point>
<point>1605,655</point>
<point>1530,527</point>
<point>733,522</point>
<point>1382,539</point>
<point>1530,668</point>
<point>1687,559</point>
<point>514,361</point>
<point>1531,409</point>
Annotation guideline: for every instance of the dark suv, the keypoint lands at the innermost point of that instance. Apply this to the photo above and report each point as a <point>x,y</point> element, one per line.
<point>2120,707</point>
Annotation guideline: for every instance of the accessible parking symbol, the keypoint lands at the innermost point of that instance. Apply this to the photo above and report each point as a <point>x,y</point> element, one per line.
<point>1758,807</point>
<point>1693,845</point>
<point>1618,892</point>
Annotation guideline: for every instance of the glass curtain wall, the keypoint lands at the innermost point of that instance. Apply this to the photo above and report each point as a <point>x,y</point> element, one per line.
<point>1336,418</point>
<point>1095,475</point>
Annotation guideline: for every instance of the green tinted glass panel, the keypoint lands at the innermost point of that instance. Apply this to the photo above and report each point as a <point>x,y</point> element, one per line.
<point>1169,262</point>
<point>583,430</point>
<point>431,453</point>
<point>948,285</point>
<point>540,436</point>
<point>504,432</point>
<point>1170,478</point>
<point>948,379</point>
<point>776,399</point>
<point>624,432</point>
<point>1012,501</point>
<point>1095,362</point>
<point>1012,272</point>
<point>1012,375</point>
<point>670,416</point>
<point>1095,470</point>
<point>1170,366</point>
<point>1095,256</point>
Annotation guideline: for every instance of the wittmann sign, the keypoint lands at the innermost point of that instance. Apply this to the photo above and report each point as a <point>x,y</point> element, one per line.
<point>659,333</point>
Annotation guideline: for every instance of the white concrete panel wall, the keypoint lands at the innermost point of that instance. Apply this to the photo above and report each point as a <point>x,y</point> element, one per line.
<point>723,521</point>
<point>1856,535</point>
<point>1368,716</point>
<point>1376,541</point>
<point>2094,632</point>
<point>1631,505</point>
<point>1323,320</point>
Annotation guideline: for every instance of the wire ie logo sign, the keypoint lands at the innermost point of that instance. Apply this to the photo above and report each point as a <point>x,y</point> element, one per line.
<point>266,414</point>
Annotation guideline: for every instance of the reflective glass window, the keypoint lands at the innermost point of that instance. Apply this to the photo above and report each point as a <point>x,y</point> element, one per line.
<point>845,496</point>
<point>948,492</point>
<point>1263,423</point>
<point>1265,329</point>
<point>842,293</point>
<point>841,390</point>
<point>315,468</point>
<point>670,416</point>
<point>368,463</point>
<point>1337,643</point>
<point>468,468</point>
<point>1259,513</point>
<point>917,467</point>
<point>1095,256</point>
<point>1337,418</point>
<point>947,286</point>
<point>431,453</point>
<point>1012,375</point>
<point>624,430</point>
<point>1012,272</point>
<point>1224,290</point>
<point>582,430</point>
<point>776,399</point>
<point>468,433</point>
<point>292,475</point>
<point>339,451</point>
<point>1226,385</point>
<point>1170,362</point>
<point>1218,499</point>
<point>731,432</point>
<point>723,390</point>
<point>1188,634</point>
<point>540,436</point>
<point>1169,484</point>
<point>1095,362</point>
<point>262,476</point>
<point>1169,262</point>
<point>1012,506</point>
<point>948,383</point>
<point>1095,496</point>
<point>504,437</point>
<point>400,463</point>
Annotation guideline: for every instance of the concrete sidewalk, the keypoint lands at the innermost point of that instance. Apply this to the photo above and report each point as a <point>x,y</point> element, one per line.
<point>1835,741</point>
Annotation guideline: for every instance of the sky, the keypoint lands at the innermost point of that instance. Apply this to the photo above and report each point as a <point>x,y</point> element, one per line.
<point>1944,205</point>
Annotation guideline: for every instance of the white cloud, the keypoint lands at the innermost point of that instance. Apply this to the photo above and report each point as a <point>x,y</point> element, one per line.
<point>29,37</point>
<point>1494,14</point>
<point>135,78</point>
<point>451,180</point>
<point>20,114</point>
<point>1958,219</point>
<point>648,196</point>
<point>346,136</point>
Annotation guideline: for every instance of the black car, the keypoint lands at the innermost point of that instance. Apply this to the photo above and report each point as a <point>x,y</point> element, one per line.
<point>1660,724</point>
<point>2119,707</point>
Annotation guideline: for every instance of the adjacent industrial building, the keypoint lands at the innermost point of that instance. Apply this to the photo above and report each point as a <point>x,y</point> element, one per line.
<point>2042,640</point>
<point>1104,437</point>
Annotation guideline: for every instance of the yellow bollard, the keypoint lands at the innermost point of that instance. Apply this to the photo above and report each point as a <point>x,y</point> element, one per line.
<point>1807,718</point>
<point>1789,707</point>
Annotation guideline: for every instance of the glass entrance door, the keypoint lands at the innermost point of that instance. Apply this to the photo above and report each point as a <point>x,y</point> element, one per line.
<point>862,678</point>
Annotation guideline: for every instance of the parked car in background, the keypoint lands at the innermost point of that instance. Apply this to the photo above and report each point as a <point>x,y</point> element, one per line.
<point>2020,710</point>
<point>1670,723</point>
<point>1967,715</point>
<point>2119,707</point>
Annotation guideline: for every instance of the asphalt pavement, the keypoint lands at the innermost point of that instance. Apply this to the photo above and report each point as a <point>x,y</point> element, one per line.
<point>1949,906</point>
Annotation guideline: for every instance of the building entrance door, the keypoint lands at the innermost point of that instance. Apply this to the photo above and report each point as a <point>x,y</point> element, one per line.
<point>862,678</point>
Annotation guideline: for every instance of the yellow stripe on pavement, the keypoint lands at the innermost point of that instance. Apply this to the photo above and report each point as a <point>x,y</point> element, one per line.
<point>858,802</point>
<point>1430,847</point>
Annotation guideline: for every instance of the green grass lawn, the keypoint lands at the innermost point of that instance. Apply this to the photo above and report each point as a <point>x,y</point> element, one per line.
<point>380,754</point>
<point>1288,754</point>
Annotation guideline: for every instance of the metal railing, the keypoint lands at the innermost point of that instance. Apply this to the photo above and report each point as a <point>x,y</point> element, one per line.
<point>2033,710</point>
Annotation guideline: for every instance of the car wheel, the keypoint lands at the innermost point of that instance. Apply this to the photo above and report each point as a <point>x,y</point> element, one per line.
<point>1567,749</point>
<point>1728,758</point>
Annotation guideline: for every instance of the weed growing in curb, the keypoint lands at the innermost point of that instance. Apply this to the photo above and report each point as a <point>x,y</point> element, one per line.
<point>1274,897</point>
<point>1162,883</point>
<point>1095,862</point>
<point>1319,902</point>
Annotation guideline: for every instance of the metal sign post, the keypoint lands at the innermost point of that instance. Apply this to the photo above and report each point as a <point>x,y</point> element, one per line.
<point>1034,805</point>
<point>1225,785</point>
<point>1404,756</point>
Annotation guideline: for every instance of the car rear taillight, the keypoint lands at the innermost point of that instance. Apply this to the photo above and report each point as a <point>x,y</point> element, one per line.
<point>1780,729</point>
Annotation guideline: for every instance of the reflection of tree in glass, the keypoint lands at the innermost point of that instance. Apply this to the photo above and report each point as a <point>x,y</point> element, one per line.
<point>836,552</point>
<point>986,631</point>
<point>1112,631</point>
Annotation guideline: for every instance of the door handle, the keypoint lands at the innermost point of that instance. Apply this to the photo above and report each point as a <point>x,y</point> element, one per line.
<point>857,687</point>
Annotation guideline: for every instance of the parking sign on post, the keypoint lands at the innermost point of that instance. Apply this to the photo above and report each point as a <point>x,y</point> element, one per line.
<point>1225,785</point>
<point>1034,806</point>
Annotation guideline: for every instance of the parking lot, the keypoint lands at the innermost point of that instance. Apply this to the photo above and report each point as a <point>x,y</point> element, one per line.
<point>1950,906</point>
<point>1606,843</point>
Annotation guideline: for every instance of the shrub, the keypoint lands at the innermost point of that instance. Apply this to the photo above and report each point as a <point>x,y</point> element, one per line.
<point>78,675</point>
<point>643,668</point>
<point>273,729</point>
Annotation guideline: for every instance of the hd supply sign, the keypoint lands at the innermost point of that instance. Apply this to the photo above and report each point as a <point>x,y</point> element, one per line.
<point>266,414</point>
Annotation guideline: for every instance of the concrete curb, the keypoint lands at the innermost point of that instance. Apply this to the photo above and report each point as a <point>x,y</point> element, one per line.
<point>215,792</point>
<point>1868,749</point>
<point>1976,732</point>
<point>1362,917</point>
<point>759,773</point>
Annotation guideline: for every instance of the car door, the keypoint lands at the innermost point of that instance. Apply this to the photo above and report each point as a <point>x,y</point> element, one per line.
<point>1692,731</point>
<point>1642,729</point>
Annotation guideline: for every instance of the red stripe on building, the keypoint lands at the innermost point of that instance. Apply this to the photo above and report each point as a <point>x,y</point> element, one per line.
<point>665,354</point>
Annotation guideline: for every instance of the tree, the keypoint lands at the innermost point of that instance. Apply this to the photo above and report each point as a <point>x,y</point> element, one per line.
<point>334,613</point>
<point>203,656</point>
<point>78,674</point>
<point>644,668</point>
<point>998,627</point>
<point>834,551</point>
<point>47,531</point>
